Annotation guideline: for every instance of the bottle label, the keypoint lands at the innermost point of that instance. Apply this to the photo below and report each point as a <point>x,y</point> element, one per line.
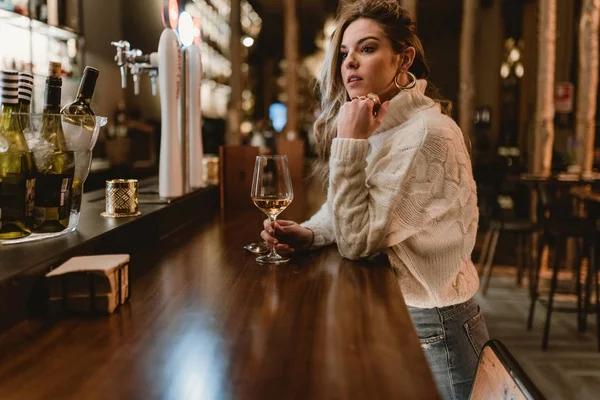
<point>46,214</point>
<point>52,197</point>
<point>30,197</point>
<point>16,198</point>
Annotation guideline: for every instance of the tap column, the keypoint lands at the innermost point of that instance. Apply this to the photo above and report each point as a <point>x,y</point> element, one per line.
<point>170,178</point>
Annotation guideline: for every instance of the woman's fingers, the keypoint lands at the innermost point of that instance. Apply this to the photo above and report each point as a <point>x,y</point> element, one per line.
<point>281,248</point>
<point>267,237</point>
<point>269,227</point>
<point>284,249</point>
<point>283,222</point>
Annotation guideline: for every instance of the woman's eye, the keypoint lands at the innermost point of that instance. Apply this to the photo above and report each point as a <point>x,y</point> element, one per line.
<point>368,49</point>
<point>343,55</point>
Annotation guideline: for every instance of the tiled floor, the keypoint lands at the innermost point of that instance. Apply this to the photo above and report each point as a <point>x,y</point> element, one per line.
<point>570,368</point>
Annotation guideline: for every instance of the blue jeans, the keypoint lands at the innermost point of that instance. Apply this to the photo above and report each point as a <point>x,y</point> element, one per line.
<point>451,338</point>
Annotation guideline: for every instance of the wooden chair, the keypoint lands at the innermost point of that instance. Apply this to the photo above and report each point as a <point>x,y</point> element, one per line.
<point>294,150</point>
<point>499,376</point>
<point>236,166</point>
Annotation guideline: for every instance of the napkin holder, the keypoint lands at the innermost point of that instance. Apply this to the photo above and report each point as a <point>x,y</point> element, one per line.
<point>98,284</point>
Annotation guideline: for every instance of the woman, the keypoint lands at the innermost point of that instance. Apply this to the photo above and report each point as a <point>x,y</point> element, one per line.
<point>400,182</point>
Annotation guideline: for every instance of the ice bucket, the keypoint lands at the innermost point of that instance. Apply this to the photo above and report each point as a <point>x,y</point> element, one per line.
<point>81,134</point>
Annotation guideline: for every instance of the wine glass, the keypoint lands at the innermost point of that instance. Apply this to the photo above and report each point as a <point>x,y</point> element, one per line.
<point>271,192</point>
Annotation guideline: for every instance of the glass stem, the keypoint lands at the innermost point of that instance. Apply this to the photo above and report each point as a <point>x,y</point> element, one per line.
<point>273,253</point>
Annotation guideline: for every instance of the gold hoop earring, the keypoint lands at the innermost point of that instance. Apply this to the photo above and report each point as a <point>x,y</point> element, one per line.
<point>411,85</point>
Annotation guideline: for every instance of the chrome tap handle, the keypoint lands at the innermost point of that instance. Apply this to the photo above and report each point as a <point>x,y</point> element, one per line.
<point>153,74</point>
<point>135,72</point>
<point>121,59</point>
<point>123,69</point>
<point>133,54</point>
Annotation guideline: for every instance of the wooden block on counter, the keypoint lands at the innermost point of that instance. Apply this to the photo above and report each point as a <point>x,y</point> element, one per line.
<point>83,303</point>
<point>95,283</point>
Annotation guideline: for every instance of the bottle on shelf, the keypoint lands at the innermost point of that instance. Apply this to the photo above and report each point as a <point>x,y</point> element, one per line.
<point>39,10</point>
<point>56,166</point>
<point>17,169</point>
<point>52,7</point>
<point>56,10</point>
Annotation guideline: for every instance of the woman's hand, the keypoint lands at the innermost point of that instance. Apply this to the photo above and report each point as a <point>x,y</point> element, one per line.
<point>286,236</point>
<point>359,118</point>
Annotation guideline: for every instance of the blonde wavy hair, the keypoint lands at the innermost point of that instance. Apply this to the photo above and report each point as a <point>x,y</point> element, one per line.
<point>400,28</point>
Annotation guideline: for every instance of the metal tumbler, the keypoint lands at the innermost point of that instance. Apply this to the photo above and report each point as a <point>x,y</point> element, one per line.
<point>121,198</point>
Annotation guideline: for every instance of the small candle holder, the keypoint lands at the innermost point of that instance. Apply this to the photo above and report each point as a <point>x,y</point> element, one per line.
<point>121,198</point>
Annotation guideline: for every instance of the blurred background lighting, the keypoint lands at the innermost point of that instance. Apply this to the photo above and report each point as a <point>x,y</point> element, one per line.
<point>504,70</point>
<point>247,41</point>
<point>519,70</point>
<point>514,55</point>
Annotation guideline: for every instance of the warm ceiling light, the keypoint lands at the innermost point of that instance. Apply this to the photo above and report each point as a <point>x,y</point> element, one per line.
<point>514,55</point>
<point>505,70</point>
<point>247,41</point>
<point>519,70</point>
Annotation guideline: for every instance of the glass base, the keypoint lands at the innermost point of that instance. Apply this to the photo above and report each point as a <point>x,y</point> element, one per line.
<point>74,219</point>
<point>270,259</point>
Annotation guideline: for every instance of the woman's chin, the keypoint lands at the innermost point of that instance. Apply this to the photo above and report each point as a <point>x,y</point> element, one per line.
<point>357,93</point>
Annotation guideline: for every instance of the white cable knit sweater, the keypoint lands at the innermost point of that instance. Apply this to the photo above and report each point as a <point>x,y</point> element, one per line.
<point>407,191</point>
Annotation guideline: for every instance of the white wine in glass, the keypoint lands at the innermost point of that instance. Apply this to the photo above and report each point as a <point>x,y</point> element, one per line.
<point>272,193</point>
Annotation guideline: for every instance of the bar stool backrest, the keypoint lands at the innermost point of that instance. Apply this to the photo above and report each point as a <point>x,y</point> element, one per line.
<point>499,376</point>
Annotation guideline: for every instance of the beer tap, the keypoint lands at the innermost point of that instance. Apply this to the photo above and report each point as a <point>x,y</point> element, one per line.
<point>138,63</point>
<point>178,68</point>
<point>135,69</point>
<point>121,59</point>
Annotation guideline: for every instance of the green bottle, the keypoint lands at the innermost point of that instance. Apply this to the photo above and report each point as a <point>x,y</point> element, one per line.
<point>17,169</point>
<point>81,104</point>
<point>56,166</point>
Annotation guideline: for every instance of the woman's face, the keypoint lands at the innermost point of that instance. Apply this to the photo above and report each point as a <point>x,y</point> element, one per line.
<point>368,62</point>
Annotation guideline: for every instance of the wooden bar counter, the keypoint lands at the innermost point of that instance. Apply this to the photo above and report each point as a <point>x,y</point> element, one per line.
<point>205,321</point>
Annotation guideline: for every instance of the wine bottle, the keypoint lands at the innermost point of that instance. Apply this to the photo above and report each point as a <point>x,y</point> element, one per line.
<point>25,94</point>
<point>81,104</point>
<point>79,121</point>
<point>56,166</point>
<point>17,169</point>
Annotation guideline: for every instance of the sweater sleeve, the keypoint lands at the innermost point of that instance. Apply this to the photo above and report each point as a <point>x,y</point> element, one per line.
<point>320,224</point>
<point>407,188</point>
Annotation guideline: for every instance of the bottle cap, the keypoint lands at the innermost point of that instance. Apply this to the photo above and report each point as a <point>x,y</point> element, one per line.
<point>92,70</point>
<point>54,69</point>
<point>91,74</point>
<point>10,87</point>
<point>25,86</point>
